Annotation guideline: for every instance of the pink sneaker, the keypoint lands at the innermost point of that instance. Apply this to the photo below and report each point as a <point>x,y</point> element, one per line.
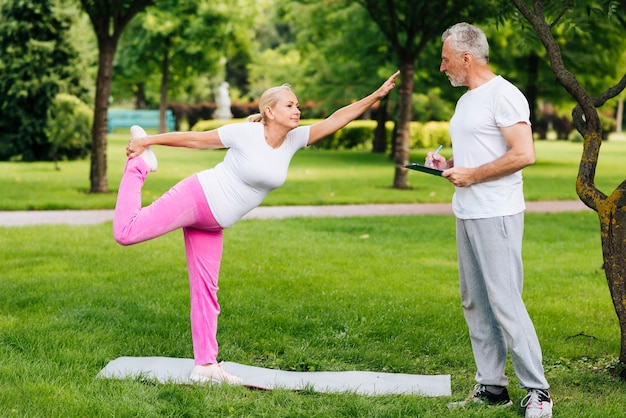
<point>214,373</point>
<point>148,156</point>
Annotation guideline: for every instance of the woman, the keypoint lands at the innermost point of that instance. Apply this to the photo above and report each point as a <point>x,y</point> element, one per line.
<point>204,204</point>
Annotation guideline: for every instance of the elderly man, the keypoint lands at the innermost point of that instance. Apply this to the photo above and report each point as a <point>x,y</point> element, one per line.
<point>492,142</point>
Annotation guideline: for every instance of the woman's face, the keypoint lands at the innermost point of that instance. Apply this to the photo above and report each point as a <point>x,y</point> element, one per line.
<point>286,111</point>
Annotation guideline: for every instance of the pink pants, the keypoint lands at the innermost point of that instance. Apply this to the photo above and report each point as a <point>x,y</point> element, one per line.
<point>183,206</point>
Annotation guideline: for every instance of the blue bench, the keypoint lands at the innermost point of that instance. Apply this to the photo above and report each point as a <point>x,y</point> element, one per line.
<point>146,118</point>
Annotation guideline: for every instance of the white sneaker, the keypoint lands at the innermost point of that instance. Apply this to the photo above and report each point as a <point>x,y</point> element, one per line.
<point>148,156</point>
<point>538,404</point>
<point>214,373</point>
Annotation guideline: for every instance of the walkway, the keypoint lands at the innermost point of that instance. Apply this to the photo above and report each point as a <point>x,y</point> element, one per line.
<point>94,217</point>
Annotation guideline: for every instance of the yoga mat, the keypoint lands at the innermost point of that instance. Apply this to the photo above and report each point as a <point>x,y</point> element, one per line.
<point>176,370</point>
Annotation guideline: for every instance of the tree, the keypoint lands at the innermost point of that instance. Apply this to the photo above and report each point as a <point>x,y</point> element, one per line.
<point>109,18</point>
<point>611,208</point>
<point>409,26</point>
<point>179,42</point>
<point>522,57</point>
<point>36,61</point>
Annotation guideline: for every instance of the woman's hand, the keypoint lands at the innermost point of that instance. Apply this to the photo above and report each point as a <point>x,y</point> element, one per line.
<point>388,85</point>
<point>135,147</point>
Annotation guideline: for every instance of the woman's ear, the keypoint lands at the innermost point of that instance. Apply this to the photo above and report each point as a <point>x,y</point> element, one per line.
<point>269,114</point>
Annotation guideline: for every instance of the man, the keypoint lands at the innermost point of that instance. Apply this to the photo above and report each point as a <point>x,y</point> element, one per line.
<point>492,142</point>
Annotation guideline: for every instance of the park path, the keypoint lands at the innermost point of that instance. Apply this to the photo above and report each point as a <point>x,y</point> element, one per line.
<point>94,217</point>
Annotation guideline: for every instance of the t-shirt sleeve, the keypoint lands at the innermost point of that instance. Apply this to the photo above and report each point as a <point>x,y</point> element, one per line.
<point>512,108</point>
<point>300,136</point>
<point>230,132</point>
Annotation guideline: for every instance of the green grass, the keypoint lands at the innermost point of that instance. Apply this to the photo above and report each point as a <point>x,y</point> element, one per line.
<point>371,293</point>
<point>316,177</point>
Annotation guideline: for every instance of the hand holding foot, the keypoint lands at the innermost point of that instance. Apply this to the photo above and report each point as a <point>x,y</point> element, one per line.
<point>135,148</point>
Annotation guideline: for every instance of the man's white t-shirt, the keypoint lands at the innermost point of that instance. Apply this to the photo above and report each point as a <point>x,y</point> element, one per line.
<point>250,170</point>
<point>477,140</point>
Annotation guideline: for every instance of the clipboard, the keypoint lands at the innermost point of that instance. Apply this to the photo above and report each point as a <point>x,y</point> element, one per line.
<point>424,169</point>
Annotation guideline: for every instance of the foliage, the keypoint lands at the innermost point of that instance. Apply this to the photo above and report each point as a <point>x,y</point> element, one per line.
<point>430,105</point>
<point>429,134</point>
<point>518,53</point>
<point>342,56</point>
<point>36,62</point>
<point>408,26</point>
<point>176,44</point>
<point>273,67</point>
<point>69,128</point>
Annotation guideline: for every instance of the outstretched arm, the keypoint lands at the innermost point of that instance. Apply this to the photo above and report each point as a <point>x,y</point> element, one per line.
<point>191,139</point>
<point>347,114</point>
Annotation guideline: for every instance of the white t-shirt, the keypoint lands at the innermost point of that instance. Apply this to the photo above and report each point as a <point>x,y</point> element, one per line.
<point>476,140</point>
<point>250,170</point>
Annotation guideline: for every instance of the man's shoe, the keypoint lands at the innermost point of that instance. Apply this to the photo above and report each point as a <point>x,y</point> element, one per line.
<point>538,404</point>
<point>148,156</point>
<point>482,395</point>
<point>214,373</point>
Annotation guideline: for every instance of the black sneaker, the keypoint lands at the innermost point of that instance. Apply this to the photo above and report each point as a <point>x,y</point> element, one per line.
<point>482,395</point>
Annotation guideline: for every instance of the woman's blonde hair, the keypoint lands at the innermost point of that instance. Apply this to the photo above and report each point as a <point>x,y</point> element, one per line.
<point>268,99</point>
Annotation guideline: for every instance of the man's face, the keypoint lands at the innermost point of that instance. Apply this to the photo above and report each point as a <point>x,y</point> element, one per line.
<point>452,66</point>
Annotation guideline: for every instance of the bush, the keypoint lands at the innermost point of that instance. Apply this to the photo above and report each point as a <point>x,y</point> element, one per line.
<point>68,128</point>
<point>207,125</point>
<point>358,134</point>
<point>429,134</point>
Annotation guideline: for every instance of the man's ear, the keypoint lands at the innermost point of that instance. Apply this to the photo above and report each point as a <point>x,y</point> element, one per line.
<point>467,57</point>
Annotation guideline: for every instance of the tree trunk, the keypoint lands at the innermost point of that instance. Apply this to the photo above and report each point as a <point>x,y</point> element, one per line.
<point>379,145</point>
<point>140,97</point>
<point>401,153</point>
<point>612,216</point>
<point>164,77</point>
<point>620,115</point>
<point>98,173</point>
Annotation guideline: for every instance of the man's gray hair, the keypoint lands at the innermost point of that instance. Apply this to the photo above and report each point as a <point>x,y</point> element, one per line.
<point>468,38</point>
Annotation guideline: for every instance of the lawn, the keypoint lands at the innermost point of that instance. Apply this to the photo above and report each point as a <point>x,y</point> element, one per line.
<point>333,294</point>
<point>376,294</point>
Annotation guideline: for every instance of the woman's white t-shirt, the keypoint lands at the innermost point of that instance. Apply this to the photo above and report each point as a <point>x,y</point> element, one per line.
<point>250,169</point>
<point>477,140</point>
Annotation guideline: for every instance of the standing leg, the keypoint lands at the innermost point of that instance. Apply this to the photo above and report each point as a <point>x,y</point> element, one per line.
<point>204,254</point>
<point>488,342</point>
<point>498,244</point>
<point>203,247</point>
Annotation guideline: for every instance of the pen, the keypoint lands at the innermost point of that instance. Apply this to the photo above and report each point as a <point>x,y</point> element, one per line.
<point>436,152</point>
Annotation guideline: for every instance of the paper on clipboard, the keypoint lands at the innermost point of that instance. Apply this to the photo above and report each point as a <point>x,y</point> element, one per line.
<point>424,169</point>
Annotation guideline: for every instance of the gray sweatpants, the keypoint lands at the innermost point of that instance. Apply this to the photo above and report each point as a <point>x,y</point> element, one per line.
<point>491,278</point>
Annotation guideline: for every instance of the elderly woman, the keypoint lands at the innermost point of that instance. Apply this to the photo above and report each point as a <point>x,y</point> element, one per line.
<point>206,203</point>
